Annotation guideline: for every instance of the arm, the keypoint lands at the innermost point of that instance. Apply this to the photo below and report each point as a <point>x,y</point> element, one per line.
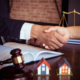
<point>12,28</point>
<point>66,32</point>
<point>74,32</point>
<point>49,39</point>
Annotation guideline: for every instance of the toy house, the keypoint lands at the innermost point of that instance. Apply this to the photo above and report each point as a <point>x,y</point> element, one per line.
<point>64,67</point>
<point>43,67</point>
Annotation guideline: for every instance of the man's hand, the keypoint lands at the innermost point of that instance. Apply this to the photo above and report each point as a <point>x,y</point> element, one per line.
<point>52,38</point>
<point>35,42</point>
<point>62,31</point>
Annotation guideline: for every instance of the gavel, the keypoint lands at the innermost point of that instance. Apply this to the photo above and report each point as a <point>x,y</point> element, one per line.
<point>6,61</point>
<point>16,59</point>
<point>16,71</point>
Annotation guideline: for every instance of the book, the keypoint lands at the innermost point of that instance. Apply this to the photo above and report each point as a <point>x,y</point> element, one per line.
<point>30,53</point>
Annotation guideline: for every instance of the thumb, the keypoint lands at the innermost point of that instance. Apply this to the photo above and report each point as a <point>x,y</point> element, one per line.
<point>50,29</point>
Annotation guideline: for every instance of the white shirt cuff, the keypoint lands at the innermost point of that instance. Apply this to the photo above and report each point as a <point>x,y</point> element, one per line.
<point>25,31</point>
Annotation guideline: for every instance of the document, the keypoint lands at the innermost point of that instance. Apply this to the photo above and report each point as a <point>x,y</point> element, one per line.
<point>30,53</point>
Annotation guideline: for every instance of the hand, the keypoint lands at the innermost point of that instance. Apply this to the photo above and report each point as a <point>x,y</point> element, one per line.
<point>51,39</point>
<point>35,42</point>
<point>62,31</point>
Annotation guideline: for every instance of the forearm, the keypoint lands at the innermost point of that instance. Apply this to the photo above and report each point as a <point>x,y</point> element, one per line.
<point>74,32</point>
<point>36,30</point>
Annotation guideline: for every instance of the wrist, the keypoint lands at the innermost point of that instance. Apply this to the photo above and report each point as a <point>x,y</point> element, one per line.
<point>35,31</point>
<point>69,33</point>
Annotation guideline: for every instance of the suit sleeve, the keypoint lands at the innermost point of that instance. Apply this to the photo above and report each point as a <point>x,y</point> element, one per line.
<point>10,29</point>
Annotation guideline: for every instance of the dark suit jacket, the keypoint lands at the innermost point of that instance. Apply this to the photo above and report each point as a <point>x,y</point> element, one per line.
<point>10,29</point>
<point>4,8</point>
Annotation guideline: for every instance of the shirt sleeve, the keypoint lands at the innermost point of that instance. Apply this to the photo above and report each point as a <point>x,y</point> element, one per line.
<point>25,31</point>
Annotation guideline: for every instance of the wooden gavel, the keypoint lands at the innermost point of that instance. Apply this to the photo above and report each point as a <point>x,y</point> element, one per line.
<point>6,61</point>
<point>16,59</point>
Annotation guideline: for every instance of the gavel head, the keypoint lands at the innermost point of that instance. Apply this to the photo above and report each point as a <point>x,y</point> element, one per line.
<point>17,58</point>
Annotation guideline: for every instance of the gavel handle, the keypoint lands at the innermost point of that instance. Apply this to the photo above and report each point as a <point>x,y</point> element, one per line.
<point>6,61</point>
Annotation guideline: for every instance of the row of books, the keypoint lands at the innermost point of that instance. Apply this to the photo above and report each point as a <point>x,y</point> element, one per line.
<point>74,41</point>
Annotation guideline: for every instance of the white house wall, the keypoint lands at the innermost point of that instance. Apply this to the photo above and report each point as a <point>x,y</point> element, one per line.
<point>47,70</point>
<point>69,71</point>
<point>39,70</point>
<point>60,70</point>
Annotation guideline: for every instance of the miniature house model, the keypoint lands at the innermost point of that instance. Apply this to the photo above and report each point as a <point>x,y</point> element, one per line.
<point>64,67</point>
<point>43,67</point>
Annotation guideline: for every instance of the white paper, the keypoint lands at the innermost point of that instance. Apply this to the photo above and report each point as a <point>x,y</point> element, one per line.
<point>30,53</point>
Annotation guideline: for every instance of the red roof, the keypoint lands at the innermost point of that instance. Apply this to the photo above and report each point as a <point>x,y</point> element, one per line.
<point>43,61</point>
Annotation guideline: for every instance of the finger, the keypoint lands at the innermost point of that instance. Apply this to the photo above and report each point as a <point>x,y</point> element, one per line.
<point>53,46</point>
<point>61,38</point>
<point>32,40</point>
<point>51,41</point>
<point>38,43</point>
<point>29,41</point>
<point>45,46</point>
<point>50,29</point>
<point>55,41</point>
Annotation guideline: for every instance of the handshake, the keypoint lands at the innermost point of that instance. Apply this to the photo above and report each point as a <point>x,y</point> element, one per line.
<point>52,37</point>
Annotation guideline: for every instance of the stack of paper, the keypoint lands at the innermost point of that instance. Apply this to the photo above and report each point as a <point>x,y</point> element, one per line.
<point>74,41</point>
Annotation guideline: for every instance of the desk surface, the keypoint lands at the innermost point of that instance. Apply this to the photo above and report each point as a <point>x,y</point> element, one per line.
<point>72,55</point>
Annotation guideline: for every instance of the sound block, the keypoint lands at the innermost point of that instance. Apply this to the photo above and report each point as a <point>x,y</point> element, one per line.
<point>11,73</point>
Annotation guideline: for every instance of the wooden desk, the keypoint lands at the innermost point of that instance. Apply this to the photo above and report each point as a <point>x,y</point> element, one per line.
<point>72,55</point>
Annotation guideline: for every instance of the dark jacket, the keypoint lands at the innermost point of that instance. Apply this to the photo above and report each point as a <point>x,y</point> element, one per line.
<point>4,8</point>
<point>10,29</point>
